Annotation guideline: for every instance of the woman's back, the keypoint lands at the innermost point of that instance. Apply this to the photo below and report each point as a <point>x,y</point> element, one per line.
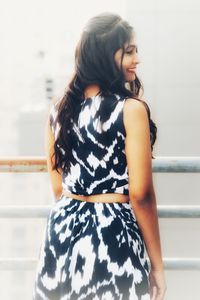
<point>99,161</point>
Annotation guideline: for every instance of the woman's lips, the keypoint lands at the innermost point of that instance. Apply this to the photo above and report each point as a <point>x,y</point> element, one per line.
<point>133,70</point>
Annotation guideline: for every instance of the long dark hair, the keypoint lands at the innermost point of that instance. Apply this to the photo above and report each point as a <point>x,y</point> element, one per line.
<point>102,36</point>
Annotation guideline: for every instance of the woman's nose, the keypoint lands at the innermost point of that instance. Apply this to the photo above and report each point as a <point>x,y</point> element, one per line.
<point>136,59</point>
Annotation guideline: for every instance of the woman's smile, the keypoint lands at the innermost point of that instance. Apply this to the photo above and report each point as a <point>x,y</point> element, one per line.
<point>131,70</point>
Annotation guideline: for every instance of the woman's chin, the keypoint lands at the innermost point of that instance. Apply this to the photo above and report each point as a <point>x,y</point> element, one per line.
<point>130,77</point>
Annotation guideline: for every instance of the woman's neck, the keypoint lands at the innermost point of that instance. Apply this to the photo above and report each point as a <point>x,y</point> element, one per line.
<point>91,90</point>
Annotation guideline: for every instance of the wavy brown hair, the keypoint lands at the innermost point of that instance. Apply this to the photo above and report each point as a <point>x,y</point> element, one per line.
<point>102,36</point>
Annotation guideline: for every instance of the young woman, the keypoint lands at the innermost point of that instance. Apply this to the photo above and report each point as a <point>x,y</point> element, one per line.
<point>99,142</point>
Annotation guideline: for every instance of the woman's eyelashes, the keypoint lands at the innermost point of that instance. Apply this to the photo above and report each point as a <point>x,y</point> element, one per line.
<point>134,50</point>
<point>129,52</point>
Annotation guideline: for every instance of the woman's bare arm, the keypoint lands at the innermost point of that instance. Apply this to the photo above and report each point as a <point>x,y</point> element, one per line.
<point>55,177</point>
<point>141,190</point>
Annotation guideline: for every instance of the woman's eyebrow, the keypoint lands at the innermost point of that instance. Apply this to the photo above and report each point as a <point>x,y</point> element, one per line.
<point>132,45</point>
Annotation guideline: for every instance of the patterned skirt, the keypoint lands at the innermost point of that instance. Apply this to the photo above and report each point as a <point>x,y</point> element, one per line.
<point>91,251</point>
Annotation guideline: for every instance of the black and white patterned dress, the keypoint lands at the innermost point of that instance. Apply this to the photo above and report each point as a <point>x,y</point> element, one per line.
<point>93,250</point>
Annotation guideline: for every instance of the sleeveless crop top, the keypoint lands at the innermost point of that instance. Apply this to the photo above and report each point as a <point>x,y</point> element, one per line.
<point>98,166</point>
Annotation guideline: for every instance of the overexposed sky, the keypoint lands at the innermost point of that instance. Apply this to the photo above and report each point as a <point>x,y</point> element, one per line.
<point>21,21</point>
<point>29,29</point>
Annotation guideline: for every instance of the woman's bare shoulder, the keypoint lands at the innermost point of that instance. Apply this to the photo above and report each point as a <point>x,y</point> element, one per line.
<point>137,148</point>
<point>134,110</point>
<point>134,102</point>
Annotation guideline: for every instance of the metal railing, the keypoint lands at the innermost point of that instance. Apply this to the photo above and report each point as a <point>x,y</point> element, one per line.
<point>159,164</point>
<point>166,164</point>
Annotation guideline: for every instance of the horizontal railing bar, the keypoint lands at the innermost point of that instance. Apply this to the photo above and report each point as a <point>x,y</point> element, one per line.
<point>161,164</point>
<point>176,164</point>
<point>28,264</point>
<point>182,263</point>
<point>179,211</point>
<point>42,211</point>
<point>16,263</point>
<point>21,211</point>
<point>25,164</point>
